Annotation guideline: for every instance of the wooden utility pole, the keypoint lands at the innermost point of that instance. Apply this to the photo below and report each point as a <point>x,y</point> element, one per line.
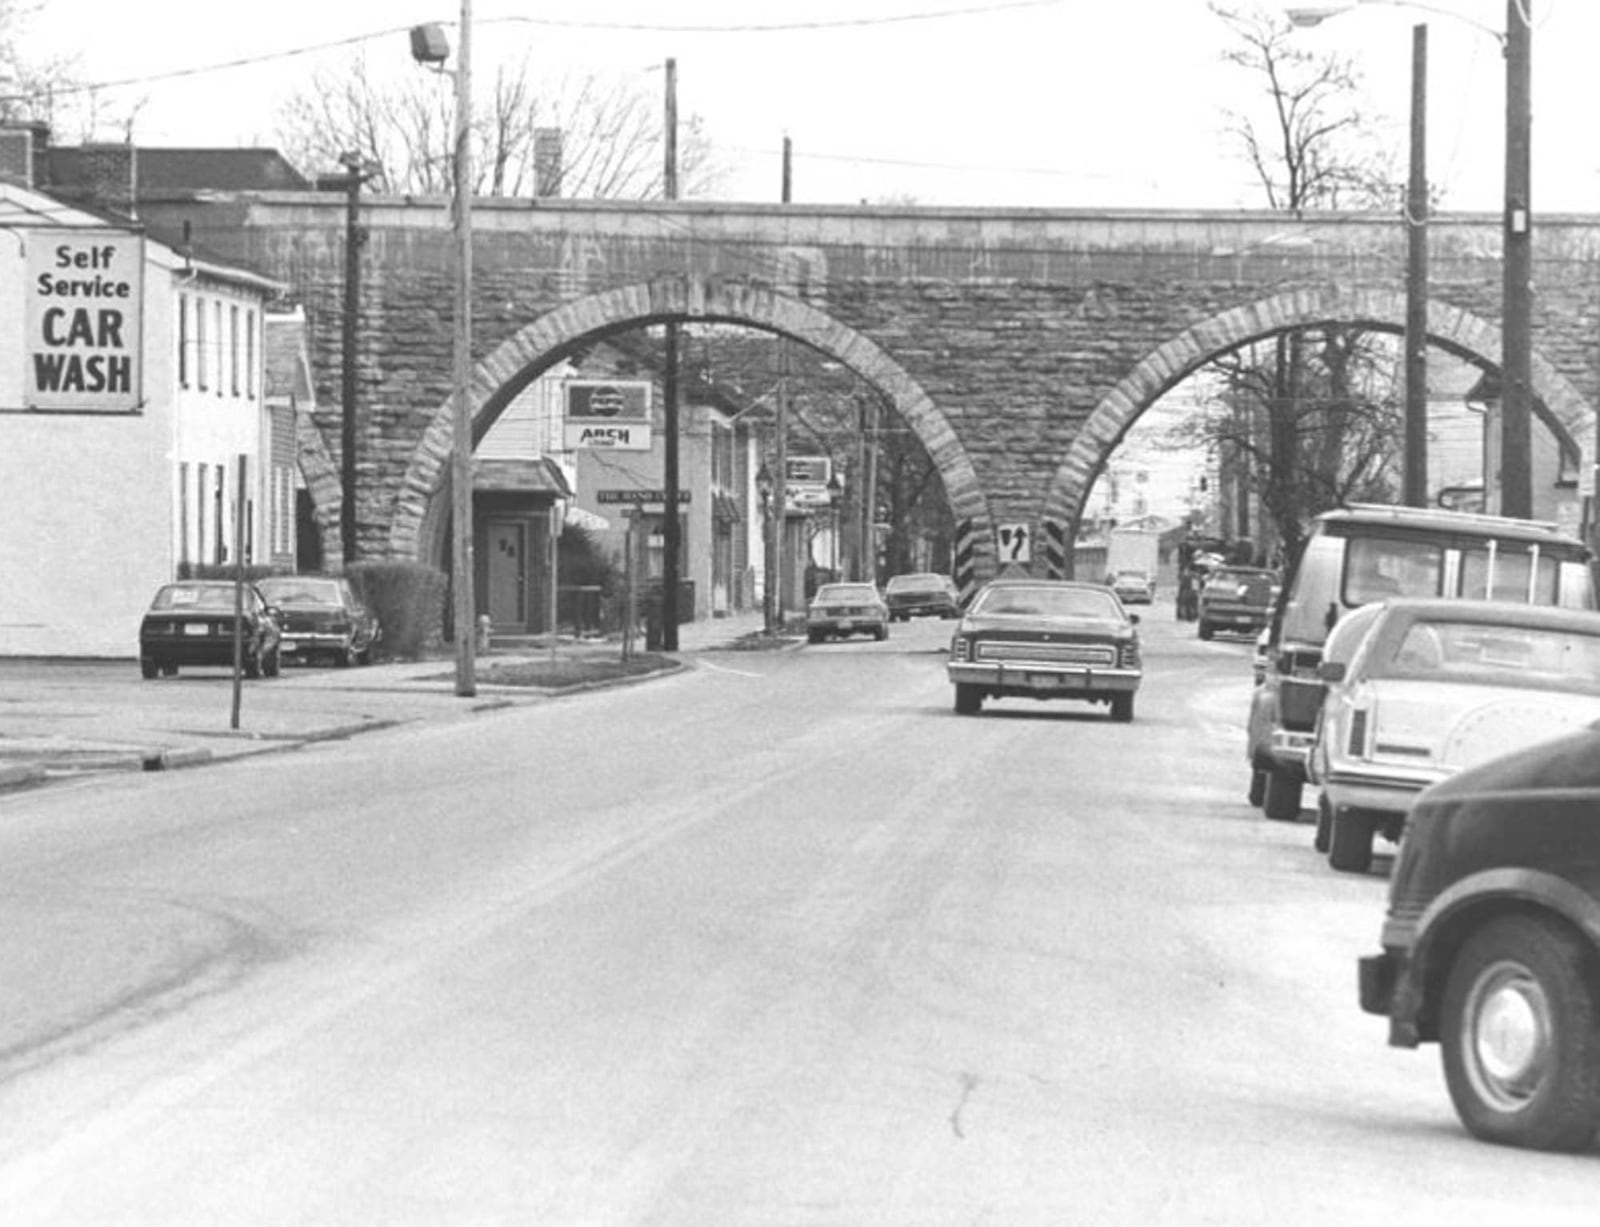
<point>1516,360</point>
<point>671,526</point>
<point>1415,484</point>
<point>461,406</point>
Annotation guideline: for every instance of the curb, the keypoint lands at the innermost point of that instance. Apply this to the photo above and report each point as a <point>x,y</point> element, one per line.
<point>21,775</point>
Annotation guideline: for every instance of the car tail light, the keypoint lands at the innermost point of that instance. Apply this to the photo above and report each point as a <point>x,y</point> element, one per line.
<point>1357,745</point>
<point>961,648</point>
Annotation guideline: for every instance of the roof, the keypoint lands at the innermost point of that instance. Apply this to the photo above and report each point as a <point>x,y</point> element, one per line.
<point>177,170</point>
<point>1429,518</point>
<point>540,475</point>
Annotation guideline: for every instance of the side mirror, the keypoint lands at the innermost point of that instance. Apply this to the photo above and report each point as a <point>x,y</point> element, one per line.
<point>1134,618</point>
<point>1332,671</point>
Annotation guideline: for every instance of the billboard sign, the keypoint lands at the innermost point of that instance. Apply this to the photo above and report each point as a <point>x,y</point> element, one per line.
<point>84,321</point>
<point>596,400</point>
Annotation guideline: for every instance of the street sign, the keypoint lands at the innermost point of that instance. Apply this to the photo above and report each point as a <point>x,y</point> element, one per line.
<point>638,496</point>
<point>808,470</point>
<point>1016,543</point>
<point>618,436</point>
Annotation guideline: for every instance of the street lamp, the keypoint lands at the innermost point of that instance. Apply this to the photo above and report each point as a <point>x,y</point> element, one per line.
<point>764,489</point>
<point>428,46</point>
<point>1516,356</point>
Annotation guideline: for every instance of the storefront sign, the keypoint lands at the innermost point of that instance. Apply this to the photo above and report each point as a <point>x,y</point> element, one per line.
<point>84,320</point>
<point>619,436</point>
<point>637,496</point>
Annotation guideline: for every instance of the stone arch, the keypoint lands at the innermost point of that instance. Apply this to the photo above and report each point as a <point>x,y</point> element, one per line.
<point>417,529</point>
<point>324,483</point>
<point>1451,328</point>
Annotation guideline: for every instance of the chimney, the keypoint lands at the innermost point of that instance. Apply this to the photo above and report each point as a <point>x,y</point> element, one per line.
<point>110,176</point>
<point>547,161</point>
<point>24,150</point>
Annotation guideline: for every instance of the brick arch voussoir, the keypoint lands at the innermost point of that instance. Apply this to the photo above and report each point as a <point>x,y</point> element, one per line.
<point>323,482</point>
<point>416,527</point>
<point>1453,328</point>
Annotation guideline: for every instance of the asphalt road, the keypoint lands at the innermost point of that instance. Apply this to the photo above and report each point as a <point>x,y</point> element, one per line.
<point>779,939</point>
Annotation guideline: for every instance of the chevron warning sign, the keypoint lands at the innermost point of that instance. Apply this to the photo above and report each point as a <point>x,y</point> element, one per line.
<point>1055,549</point>
<point>964,571</point>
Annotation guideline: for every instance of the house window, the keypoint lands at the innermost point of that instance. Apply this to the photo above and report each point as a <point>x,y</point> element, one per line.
<point>233,347</point>
<point>201,473</point>
<point>218,307</point>
<point>221,496</point>
<point>201,366</point>
<point>250,354</point>
<point>183,514</point>
<point>183,340</point>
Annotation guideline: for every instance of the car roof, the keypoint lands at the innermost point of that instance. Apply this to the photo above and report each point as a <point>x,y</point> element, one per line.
<point>1492,613</point>
<point>1468,522</point>
<point>1020,581</point>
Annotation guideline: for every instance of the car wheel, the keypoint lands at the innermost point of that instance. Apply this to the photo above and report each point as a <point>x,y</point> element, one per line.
<point>346,657</point>
<point>814,636</point>
<point>1324,824</point>
<point>1520,1036</point>
<point>1281,799</point>
<point>969,699</point>
<point>1205,630</point>
<point>881,633</point>
<point>1122,708</point>
<point>272,663</point>
<point>148,668</point>
<point>1258,786</point>
<point>1350,841</point>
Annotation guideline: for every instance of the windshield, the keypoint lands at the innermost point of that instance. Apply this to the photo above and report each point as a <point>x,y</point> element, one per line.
<point>1049,603</point>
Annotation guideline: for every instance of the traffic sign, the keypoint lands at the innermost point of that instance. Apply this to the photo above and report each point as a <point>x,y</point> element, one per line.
<point>1016,543</point>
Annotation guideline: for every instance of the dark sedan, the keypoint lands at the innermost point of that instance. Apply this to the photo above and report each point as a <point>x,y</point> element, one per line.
<point>921,594</point>
<point>1046,639</point>
<point>1491,944</point>
<point>322,617</point>
<point>191,622</point>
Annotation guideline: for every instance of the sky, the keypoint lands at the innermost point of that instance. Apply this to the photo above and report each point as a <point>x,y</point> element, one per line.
<point>1033,103</point>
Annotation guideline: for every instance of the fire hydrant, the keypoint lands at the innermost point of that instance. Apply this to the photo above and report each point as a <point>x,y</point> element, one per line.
<point>484,625</point>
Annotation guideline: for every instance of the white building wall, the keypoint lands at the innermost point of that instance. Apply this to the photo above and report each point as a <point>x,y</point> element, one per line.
<point>84,497</point>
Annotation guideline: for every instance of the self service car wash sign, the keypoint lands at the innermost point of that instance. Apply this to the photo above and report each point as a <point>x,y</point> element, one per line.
<point>85,309</point>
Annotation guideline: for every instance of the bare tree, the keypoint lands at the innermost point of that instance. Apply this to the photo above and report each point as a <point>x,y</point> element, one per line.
<point>1307,419</point>
<point>30,88</point>
<point>611,133</point>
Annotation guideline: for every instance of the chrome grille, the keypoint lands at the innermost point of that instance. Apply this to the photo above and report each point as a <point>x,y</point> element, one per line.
<point>1103,655</point>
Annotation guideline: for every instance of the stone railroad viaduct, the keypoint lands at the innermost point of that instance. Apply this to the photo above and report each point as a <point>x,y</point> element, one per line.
<point>1019,344</point>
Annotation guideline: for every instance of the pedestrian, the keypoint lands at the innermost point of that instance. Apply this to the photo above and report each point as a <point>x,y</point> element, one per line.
<point>1186,596</point>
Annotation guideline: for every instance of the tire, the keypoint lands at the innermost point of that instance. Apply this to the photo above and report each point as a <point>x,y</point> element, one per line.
<point>1324,825</point>
<point>1205,630</point>
<point>1350,842</point>
<point>346,656</point>
<point>1280,800</point>
<point>814,636</point>
<point>1520,1035</point>
<point>1122,708</point>
<point>881,633</point>
<point>969,699</point>
<point>1258,787</point>
<point>148,668</point>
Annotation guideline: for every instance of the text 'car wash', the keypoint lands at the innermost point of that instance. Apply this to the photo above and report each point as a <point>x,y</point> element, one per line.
<point>84,308</point>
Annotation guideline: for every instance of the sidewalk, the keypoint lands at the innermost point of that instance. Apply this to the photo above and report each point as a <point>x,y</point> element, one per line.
<point>65,718</point>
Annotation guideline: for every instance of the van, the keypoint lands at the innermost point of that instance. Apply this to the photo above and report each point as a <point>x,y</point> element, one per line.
<point>1365,553</point>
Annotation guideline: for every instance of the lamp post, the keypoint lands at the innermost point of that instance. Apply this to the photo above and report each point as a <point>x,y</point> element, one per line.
<point>1516,356</point>
<point>764,489</point>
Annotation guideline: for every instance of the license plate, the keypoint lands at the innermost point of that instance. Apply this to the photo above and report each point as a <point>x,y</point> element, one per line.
<point>1042,681</point>
<point>196,628</point>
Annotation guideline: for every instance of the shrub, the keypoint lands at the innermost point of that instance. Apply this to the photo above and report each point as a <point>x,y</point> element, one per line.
<point>409,599</point>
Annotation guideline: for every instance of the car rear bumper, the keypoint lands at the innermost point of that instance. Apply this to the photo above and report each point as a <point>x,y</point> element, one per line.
<point>843,626</point>
<point>917,609</point>
<point>1348,789</point>
<point>1022,677</point>
<point>1251,618</point>
<point>303,643</point>
<point>194,649</point>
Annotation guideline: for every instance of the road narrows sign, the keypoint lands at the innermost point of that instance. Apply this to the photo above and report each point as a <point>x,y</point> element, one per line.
<point>1016,543</point>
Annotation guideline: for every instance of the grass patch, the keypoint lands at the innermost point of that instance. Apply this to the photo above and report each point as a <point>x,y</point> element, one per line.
<point>560,674</point>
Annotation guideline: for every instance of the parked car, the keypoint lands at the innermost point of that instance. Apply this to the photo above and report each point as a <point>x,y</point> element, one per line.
<point>911,596</point>
<point>1436,686</point>
<point>1361,554</point>
<point>321,616</point>
<point>1046,639</point>
<point>847,609</point>
<point>191,622</point>
<point>1134,587</point>
<point>1491,943</point>
<point>1236,599</point>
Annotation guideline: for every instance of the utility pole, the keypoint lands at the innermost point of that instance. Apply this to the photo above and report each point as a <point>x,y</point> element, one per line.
<point>461,408</point>
<point>671,527</point>
<point>1416,339</point>
<point>869,532</point>
<point>1516,360</point>
<point>780,494</point>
